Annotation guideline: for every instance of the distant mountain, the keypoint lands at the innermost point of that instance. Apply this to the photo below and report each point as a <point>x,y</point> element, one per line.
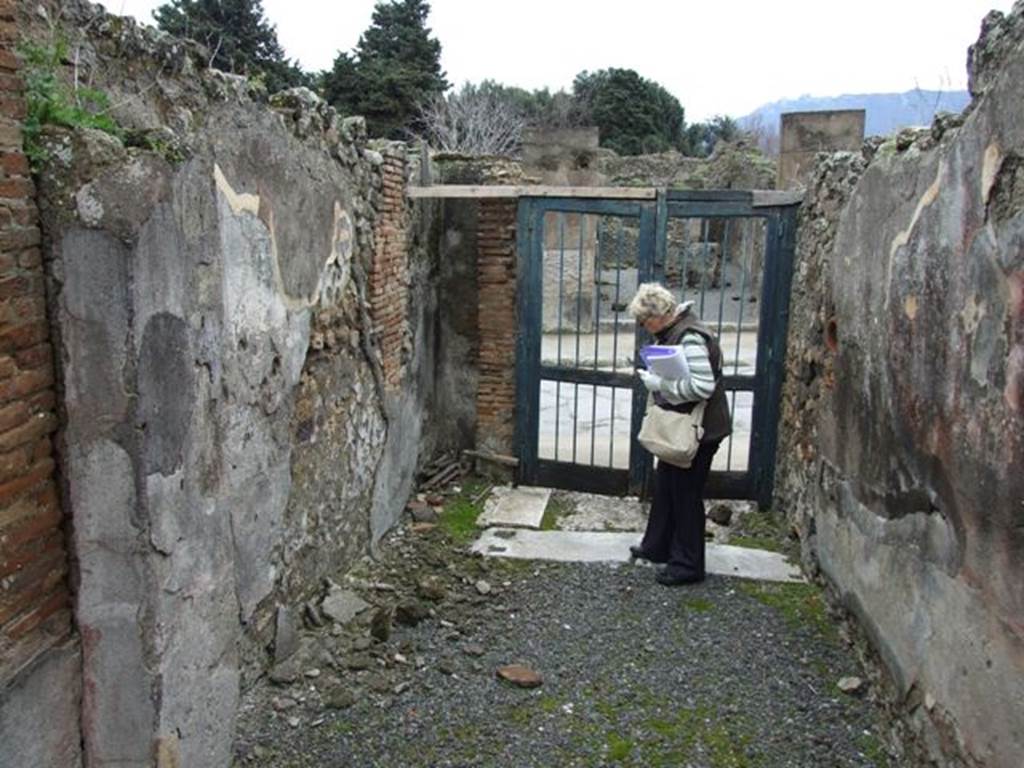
<point>886,112</point>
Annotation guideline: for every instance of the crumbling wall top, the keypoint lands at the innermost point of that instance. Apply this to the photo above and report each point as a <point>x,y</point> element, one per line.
<point>1000,35</point>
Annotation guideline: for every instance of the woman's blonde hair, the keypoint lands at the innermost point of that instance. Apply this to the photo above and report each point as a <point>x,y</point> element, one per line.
<point>651,300</point>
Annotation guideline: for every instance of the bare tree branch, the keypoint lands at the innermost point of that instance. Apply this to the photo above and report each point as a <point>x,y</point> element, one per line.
<point>765,137</point>
<point>472,121</point>
<point>213,56</point>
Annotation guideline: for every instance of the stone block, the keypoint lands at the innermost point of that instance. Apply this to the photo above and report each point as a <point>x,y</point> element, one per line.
<point>286,634</point>
<point>48,692</point>
<point>395,476</point>
<point>342,605</point>
<point>95,327</point>
<point>118,709</point>
<point>166,392</point>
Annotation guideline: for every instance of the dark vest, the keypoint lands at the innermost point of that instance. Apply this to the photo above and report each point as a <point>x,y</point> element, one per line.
<point>717,422</point>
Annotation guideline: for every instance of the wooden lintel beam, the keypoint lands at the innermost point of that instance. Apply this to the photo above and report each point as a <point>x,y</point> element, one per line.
<point>767,198</point>
<point>442,191</point>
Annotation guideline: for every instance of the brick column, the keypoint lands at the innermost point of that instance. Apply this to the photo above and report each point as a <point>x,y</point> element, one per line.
<point>34,605</point>
<point>389,272</point>
<point>40,667</point>
<point>498,327</point>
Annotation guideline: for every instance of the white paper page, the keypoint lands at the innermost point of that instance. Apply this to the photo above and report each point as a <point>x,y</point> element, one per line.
<point>671,366</point>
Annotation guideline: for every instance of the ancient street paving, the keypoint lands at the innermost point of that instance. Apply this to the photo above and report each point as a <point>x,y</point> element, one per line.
<point>726,673</point>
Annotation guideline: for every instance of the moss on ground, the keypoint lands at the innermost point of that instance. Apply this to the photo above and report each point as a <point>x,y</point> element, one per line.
<point>519,715</point>
<point>618,747</point>
<point>874,750</point>
<point>557,508</point>
<point>458,517</point>
<point>660,739</point>
<point>548,704</point>
<point>698,604</point>
<point>800,604</point>
<point>513,566</point>
<point>761,530</point>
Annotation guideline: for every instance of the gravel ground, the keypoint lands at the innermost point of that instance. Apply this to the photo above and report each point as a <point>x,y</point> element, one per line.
<point>724,673</point>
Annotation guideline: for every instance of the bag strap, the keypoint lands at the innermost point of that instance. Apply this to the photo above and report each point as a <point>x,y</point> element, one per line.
<point>701,407</point>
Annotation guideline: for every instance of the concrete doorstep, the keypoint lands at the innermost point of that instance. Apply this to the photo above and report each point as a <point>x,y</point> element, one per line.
<point>521,507</point>
<point>613,547</point>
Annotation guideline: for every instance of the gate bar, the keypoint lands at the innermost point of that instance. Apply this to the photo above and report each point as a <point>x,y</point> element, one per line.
<point>639,464</point>
<point>615,340</point>
<point>579,311</point>
<point>596,292</point>
<point>558,321</point>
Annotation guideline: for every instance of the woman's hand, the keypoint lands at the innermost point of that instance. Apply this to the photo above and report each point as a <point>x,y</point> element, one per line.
<point>651,380</point>
<point>669,388</point>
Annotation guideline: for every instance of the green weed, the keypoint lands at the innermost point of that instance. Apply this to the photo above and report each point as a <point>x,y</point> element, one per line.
<point>873,750</point>
<point>169,150</point>
<point>49,101</point>
<point>759,530</point>
<point>458,518</point>
<point>618,747</point>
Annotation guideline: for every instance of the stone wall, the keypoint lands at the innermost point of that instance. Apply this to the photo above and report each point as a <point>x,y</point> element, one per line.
<point>39,654</point>
<point>244,318</point>
<point>903,435</point>
<point>732,165</point>
<point>571,157</point>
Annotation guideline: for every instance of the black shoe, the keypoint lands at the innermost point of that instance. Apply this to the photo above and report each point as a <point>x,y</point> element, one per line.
<point>636,552</point>
<point>670,579</point>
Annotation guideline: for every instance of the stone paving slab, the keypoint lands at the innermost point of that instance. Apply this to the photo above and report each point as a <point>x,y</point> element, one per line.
<point>600,546</point>
<point>520,507</point>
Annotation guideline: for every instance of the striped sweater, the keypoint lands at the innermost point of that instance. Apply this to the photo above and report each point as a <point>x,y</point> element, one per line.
<point>701,383</point>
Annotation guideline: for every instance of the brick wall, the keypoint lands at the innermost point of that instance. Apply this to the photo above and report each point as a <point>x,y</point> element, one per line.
<point>496,276</point>
<point>34,604</point>
<point>389,272</point>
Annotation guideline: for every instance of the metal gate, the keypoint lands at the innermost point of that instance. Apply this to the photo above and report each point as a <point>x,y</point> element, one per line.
<point>580,260</point>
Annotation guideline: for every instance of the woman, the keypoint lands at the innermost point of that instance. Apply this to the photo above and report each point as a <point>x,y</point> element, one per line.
<point>675,528</point>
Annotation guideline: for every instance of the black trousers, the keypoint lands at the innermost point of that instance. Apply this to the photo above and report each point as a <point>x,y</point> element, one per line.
<point>675,527</point>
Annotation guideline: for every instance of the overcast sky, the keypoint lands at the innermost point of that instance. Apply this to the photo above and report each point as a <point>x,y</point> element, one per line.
<point>717,57</point>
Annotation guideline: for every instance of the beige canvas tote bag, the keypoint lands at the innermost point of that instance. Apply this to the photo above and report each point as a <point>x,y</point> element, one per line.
<point>672,436</point>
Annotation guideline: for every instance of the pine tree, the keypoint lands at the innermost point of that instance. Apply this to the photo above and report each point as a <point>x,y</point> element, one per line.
<point>394,70</point>
<point>700,139</point>
<point>634,115</point>
<point>238,36</point>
